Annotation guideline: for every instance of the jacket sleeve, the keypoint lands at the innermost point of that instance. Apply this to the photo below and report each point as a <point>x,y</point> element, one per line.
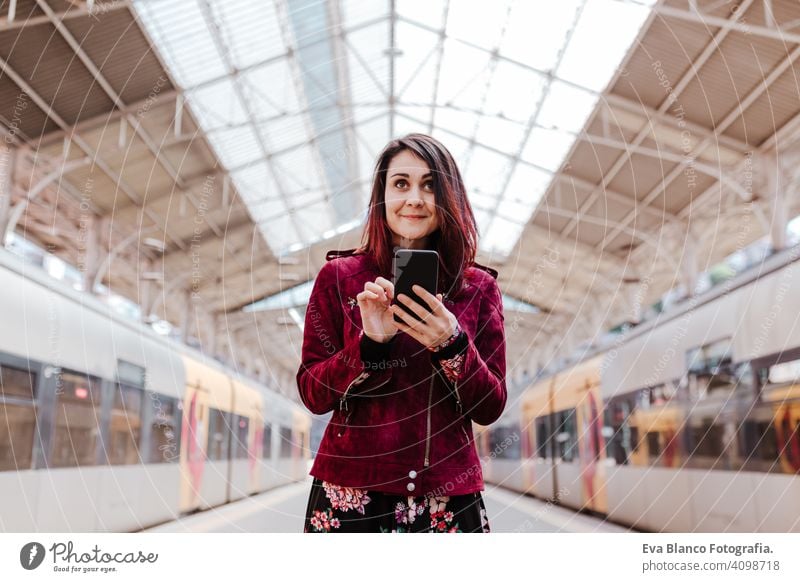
<point>480,390</point>
<point>332,365</point>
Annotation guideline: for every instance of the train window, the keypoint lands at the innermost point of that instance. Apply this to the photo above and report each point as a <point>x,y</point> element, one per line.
<point>286,442</point>
<point>504,442</point>
<point>566,434</point>
<point>17,418</point>
<point>126,426</point>
<point>659,395</point>
<point>218,435</point>
<point>266,447</point>
<point>164,433</point>
<point>543,437</point>
<point>759,443</point>
<point>711,370</point>
<point>653,446</point>
<point>17,383</point>
<point>705,442</point>
<point>77,420</point>
<point>785,373</point>
<point>622,436</point>
<point>240,447</point>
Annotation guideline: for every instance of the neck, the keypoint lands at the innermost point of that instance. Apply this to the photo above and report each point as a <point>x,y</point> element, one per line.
<point>408,243</point>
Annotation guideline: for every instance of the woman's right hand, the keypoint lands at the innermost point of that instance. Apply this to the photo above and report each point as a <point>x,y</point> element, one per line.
<point>376,317</point>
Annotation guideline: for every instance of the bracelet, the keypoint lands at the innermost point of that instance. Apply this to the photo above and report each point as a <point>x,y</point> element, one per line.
<point>448,341</point>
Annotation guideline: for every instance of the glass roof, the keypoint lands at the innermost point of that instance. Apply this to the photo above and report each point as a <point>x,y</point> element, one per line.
<point>298,97</point>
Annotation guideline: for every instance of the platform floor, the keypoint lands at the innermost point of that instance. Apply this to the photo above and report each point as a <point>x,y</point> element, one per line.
<point>281,511</point>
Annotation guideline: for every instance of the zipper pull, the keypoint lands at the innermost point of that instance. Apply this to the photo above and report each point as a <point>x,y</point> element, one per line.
<point>343,426</point>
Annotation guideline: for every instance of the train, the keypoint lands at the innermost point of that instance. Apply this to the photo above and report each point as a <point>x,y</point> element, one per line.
<point>686,423</point>
<point>106,425</point>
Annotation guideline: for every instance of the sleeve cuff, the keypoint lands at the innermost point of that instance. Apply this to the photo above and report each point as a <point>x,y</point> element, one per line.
<point>459,346</point>
<point>373,352</point>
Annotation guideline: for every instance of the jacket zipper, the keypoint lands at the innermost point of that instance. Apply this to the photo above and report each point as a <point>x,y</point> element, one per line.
<point>466,438</point>
<point>447,380</point>
<point>343,399</point>
<point>428,429</point>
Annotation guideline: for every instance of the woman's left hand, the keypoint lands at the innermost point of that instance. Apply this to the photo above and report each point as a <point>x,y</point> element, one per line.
<point>437,325</point>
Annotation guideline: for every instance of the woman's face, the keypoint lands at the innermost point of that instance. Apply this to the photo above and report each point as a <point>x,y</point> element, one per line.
<point>410,201</point>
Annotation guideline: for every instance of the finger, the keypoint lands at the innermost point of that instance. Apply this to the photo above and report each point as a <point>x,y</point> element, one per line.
<point>408,330</point>
<point>408,319</point>
<point>414,306</point>
<point>364,295</point>
<point>386,285</point>
<point>377,289</point>
<point>428,298</point>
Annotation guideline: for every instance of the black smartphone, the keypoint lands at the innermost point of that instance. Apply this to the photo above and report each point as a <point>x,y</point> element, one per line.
<point>414,267</point>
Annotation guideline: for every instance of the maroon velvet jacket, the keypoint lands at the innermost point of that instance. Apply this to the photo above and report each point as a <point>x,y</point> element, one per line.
<point>399,425</point>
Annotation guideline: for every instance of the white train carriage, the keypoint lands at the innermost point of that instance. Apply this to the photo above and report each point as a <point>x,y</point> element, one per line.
<point>700,416</point>
<point>107,426</point>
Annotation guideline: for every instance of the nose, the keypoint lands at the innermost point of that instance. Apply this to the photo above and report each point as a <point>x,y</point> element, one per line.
<point>414,197</point>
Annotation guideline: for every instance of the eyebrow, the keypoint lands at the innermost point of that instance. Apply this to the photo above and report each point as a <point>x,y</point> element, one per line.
<point>428,175</point>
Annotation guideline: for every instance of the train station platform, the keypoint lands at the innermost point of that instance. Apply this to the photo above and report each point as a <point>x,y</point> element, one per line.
<point>281,511</point>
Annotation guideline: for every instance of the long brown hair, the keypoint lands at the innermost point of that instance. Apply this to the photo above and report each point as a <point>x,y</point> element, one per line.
<point>456,239</point>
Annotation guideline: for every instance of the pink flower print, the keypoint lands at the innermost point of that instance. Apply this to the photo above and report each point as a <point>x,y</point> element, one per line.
<point>400,513</point>
<point>346,498</point>
<point>437,504</point>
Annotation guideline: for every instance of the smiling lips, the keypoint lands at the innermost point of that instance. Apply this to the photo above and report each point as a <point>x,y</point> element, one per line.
<point>413,217</point>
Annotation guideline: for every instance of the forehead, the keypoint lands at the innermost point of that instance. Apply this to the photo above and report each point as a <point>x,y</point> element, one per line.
<point>408,163</point>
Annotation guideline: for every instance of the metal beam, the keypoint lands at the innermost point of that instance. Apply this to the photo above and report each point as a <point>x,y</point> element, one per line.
<point>698,17</point>
<point>669,100</point>
<point>732,116</point>
<point>117,100</point>
<point>77,10</point>
<point>80,142</point>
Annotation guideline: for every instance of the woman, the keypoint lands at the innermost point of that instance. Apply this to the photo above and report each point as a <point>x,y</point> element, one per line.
<point>398,453</point>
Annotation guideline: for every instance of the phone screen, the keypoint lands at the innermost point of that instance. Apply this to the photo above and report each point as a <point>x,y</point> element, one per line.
<point>414,267</point>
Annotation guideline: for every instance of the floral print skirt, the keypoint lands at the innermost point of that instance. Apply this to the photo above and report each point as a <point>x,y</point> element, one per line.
<point>333,508</point>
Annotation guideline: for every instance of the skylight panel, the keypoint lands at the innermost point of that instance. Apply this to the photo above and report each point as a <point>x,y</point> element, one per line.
<point>486,170</point>
<point>285,132</point>
<point>595,51</point>
<point>298,170</point>
<point>547,148</point>
<point>566,107</point>
<point>518,63</point>
<point>501,134</point>
<point>404,125</point>
<point>355,12</point>
<point>217,105</point>
<point>536,31</point>
<point>477,21</point>
<point>427,12</point>
<point>455,120</point>
<point>251,29</point>
<point>368,64</point>
<point>415,66</point>
<point>180,31</point>
<point>464,76</point>
<point>501,235</point>
<point>236,147</point>
<point>271,90</point>
<point>514,92</point>
<point>282,234</point>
